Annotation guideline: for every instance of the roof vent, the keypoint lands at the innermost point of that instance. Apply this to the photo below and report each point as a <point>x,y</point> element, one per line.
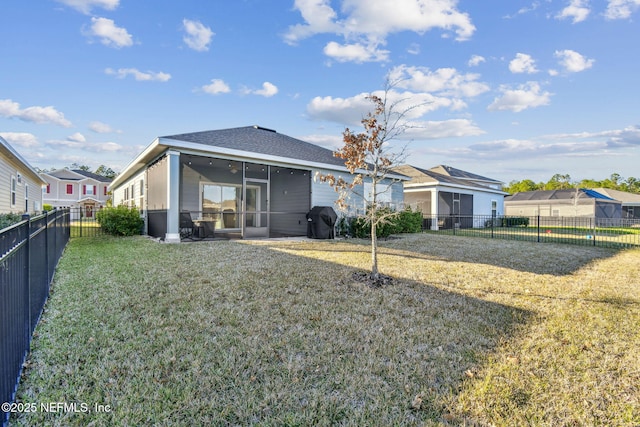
<point>261,128</point>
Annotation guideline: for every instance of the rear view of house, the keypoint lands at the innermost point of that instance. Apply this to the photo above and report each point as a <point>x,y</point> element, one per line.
<point>449,197</point>
<point>20,184</point>
<point>248,182</point>
<point>84,192</point>
<point>563,203</point>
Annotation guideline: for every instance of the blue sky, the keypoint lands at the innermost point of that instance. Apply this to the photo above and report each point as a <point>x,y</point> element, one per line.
<point>507,89</point>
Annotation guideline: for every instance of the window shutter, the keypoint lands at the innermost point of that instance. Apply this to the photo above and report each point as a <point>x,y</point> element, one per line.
<point>95,192</point>
<point>48,188</point>
<point>84,189</point>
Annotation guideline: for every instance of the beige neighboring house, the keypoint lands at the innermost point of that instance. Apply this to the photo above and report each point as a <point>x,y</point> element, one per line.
<point>20,184</point>
<point>630,201</point>
<point>84,192</point>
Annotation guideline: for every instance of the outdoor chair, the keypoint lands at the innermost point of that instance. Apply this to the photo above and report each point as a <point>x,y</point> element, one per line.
<point>187,228</point>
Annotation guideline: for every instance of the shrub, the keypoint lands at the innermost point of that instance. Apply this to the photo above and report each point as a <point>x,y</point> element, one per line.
<point>405,221</point>
<point>120,221</point>
<point>9,219</point>
<point>47,207</point>
<point>515,221</point>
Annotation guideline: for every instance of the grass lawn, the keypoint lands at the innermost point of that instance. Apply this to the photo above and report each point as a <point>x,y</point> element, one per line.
<point>472,332</point>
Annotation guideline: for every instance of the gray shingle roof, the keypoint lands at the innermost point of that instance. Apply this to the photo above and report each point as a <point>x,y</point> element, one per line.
<point>417,173</point>
<point>458,173</point>
<point>258,140</point>
<point>92,175</point>
<point>567,194</point>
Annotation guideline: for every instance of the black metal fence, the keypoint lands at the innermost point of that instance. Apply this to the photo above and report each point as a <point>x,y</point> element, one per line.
<point>29,253</point>
<point>83,224</point>
<point>588,231</point>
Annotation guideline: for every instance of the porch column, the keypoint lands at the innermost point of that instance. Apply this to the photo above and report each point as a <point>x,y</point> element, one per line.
<point>434,209</point>
<point>173,197</point>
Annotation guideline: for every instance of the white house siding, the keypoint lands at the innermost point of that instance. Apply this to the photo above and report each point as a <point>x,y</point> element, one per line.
<point>322,194</point>
<point>131,193</point>
<point>33,203</point>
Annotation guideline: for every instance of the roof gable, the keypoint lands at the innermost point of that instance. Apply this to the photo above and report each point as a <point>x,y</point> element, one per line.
<point>460,174</point>
<point>430,177</point>
<point>10,153</point>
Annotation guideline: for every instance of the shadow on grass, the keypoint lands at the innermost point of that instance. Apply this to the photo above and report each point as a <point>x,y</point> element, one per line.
<point>529,257</point>
<point>228,333</point>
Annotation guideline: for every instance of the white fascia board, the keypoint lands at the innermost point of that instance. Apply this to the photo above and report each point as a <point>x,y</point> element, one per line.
<point>134,165</point>
<point>443,187</point>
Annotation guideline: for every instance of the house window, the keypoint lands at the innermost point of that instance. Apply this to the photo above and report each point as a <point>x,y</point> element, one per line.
<point>89,190</point>
<point>26,198</point>
<point>494,208</point>
<point>14,187</point>
<point>69,188</point>
<point>142,188</point>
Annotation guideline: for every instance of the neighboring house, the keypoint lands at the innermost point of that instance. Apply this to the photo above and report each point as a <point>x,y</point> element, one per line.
<point>248,181</point>
<point>20,184</point>
<point>630,202</point>
<point>84,192</point>
<point>562,203</point>
<point>457,198</point>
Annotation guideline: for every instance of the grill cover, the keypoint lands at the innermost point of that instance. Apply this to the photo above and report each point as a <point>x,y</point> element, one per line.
<point>321,221</point>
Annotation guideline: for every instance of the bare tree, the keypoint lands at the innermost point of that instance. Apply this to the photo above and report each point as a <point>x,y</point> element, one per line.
<point>370,158</point>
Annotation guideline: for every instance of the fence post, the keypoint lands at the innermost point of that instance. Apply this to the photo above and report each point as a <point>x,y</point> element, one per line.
<point>538,227</point>
<point>27,275</point>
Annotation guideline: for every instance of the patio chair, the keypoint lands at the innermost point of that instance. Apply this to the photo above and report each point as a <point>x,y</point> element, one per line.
<point>187,228</point>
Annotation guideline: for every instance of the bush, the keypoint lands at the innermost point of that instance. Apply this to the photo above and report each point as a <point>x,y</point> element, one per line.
<point>9,219</point>
<point>507,221</point>
<point>406,221</point>
<point>120,221</point>
<point>515,221</point>
<point>47,207</point>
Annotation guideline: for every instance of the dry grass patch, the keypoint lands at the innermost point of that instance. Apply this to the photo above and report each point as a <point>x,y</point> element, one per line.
<point>278,333</point>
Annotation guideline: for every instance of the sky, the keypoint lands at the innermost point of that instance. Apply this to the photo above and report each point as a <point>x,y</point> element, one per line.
<point>511,90</point>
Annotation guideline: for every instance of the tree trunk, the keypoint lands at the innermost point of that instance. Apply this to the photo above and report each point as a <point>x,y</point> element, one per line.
<point>374,251</point>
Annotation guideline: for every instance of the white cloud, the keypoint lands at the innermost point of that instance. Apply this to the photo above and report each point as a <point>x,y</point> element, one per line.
<point>577,10</point>
<point>77,137</point>
<point>149,76</point>
<point>350,111</point>
<point>85,6</point>
<point>572,61</point>
<point>198,36</point>
<point>621,9</point>
<point>40,115</point>
<point>99,127</point>
<point>369,22</point>
<point>355,53</point>
<point>445,81</point>
<point>524,10</point>
<point>21,139</point>
<point>268,90</point>
<point>215,87</point>
<point>476,60</point>
<point>523,63</point>
<point>414,49</point>
<point>525,96</point>
<point>109,33</point>
<point>78,142</point>
<point>453,128</point>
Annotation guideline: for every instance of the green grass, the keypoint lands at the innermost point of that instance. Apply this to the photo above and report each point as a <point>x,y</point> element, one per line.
<point>474,331</point>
